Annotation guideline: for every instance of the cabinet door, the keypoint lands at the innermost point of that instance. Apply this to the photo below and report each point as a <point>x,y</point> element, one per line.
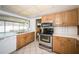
<point>59,19</point>
<point>51,18</point>
<point>58,45</point>
<point>48,18</point>
<point>69,45</point>
<point>44,19</point>
<point>64,45</point>
<point>77,46</point>
<point>78,16</point>
<point>30,37</point>
<point>23,39</point>
<point>70,18</point>
<point>18,41</point>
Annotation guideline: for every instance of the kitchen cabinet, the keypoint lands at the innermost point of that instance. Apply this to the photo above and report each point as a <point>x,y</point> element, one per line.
<point>48,18</point>
<point>24,39</point>
<point>69,45</point>
<point>78,29</point>
<point>70,18</point>
<point>7,45</point>
<point>78,16</point>
<point>66,18</point>
<point>20,40</point>
<point>44,19</point>
<point>77,46</point>
<point>57,45</point>
<point>30,37</point>
<point>59,20</point>
<point>64,45</point>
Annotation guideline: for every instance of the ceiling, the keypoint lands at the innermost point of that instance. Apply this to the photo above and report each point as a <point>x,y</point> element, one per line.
<point>35,10</point>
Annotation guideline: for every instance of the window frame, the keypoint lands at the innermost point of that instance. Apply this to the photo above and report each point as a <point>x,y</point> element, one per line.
<point>13,25</point>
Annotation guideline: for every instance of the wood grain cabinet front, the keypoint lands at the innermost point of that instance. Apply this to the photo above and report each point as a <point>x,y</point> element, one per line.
<point>78,16</point>
<point>69,45</point>
<point>48,18</point>
<point>59,20</point>
<point>58,45</point>
<point>64,45</point>
<point>24,39</point>
<point>18,42</point>
<point>66,18</point>
<point>71,18</point>
<point>77,46</point>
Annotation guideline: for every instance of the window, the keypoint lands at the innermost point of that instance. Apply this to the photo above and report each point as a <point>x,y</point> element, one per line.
<point>26,26</point>
<point>16,27</point>
<point>8,26</point>
<point>21,28</point>
<point>1,26</point>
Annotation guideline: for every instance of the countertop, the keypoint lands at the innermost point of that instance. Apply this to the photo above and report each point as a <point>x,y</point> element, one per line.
<point>65,35</point>
<point>9,34</point>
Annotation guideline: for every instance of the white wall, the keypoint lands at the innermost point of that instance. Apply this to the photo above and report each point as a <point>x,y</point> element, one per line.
<point>66,30</point>
<point>32,25</point>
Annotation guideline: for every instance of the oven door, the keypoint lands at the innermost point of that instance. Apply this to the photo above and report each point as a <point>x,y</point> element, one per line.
<point>45,38</point>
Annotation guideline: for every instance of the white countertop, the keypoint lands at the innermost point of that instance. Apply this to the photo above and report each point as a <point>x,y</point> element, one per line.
<point>8,34</point>
<point>70,36</point>
<point>4,35</point>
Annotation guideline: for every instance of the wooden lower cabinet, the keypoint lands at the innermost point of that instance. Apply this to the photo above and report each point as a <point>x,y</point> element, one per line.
<point>18,42</point>
<point>30,37</point>
<point>64,45</point>
<point>58,45</point>
<point>77,46</point>
<point>24,39</point>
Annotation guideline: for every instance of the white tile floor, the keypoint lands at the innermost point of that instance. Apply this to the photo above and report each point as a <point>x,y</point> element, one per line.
<point>32,48</point>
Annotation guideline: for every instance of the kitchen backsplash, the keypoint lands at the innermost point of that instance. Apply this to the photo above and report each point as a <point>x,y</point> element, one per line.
<point>66,30</point>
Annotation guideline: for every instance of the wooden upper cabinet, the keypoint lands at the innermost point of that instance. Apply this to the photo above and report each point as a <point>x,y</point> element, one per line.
<point>70,18</point>
<point>59,19</point>
<point>51,18</point>
<point>67,18</point>
<point>43,19</point>
<point>48,18</point>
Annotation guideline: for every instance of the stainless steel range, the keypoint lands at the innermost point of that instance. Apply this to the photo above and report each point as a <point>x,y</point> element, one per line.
<point>45,37</point>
